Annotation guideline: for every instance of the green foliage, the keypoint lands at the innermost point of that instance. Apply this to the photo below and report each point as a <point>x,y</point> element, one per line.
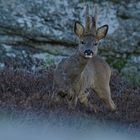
<point>116,1</point>
<point>133,78</point>
<point>117,63</point>
<point>48,62</point>
<point>86,0</point>
<point>124,17</point>
<point>113,1</point>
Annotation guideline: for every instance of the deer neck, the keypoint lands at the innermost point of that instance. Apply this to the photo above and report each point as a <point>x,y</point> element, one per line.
<point>82,61</point>
<point>79,62</point>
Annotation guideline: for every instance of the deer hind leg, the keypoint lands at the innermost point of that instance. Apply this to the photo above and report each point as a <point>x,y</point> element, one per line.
<point>105,94</point>
<point>83,98</point>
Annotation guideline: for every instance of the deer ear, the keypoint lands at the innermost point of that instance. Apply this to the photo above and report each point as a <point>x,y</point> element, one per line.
<point>78,29</point>
<point>101,32</point>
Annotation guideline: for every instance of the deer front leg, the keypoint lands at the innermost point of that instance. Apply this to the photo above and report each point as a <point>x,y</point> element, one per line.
<point>105,94</point>
<point>83,98</point>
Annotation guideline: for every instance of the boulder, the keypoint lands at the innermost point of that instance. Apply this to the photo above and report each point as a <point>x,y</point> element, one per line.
<point>48,25</point>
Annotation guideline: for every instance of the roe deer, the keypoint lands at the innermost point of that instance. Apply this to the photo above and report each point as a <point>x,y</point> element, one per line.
<point>85,69</point>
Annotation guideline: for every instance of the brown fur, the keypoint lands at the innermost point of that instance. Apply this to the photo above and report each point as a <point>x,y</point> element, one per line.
<point>74,75</point>
<point>81,71</point>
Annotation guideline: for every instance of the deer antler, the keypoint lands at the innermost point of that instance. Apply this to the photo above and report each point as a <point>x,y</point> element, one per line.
<point>94,19</point>
<point>88,20</point>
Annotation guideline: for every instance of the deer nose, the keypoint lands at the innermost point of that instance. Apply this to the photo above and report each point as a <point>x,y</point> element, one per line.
<point>88,52</point>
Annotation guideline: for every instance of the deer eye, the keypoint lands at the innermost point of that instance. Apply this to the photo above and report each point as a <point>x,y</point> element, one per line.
<point>95,43</point>
<point>82,42</point>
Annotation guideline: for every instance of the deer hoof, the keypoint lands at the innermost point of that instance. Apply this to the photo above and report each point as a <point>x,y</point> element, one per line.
<point>113,107</point>
<point>93,108</point>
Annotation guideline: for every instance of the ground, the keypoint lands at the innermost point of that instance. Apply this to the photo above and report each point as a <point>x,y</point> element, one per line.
<point>25,90</point>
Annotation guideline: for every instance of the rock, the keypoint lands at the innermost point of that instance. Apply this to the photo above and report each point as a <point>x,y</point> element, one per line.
<point>48,25</point>
<point>43,20</point>
<point>2,65</point>
<point>28,59</point>
<point>132,70</point>
<point>48,59</point>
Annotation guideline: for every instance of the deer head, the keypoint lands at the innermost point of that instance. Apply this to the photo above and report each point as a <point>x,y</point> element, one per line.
<point>89,36</point>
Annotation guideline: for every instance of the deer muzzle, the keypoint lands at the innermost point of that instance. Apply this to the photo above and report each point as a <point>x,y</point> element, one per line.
<point>88,53</point>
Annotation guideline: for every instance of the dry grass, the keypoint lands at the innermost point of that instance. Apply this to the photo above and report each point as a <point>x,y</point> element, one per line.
<point>32,91</point>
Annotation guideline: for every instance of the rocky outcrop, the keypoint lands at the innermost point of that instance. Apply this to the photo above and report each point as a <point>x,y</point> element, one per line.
<point>48,25</point>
